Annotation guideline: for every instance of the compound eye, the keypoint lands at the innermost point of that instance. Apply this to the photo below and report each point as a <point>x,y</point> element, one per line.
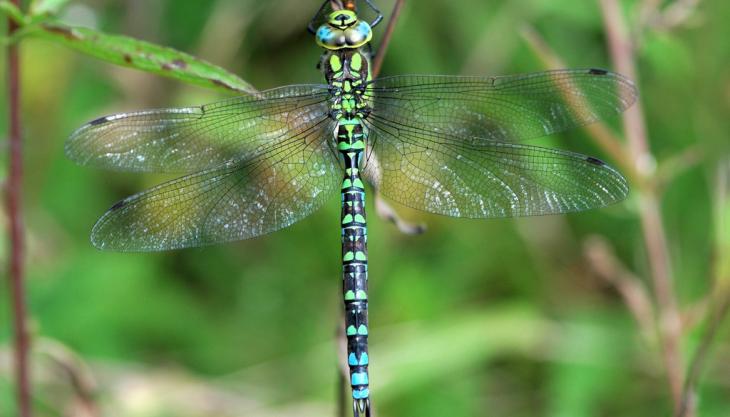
<point>355,37</point>
<point>358,35</point>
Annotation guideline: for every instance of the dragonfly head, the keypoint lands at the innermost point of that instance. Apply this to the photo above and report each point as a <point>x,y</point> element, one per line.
<point>343,30</point>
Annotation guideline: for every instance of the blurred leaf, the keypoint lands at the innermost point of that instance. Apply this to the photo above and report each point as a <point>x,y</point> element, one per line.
<point>668,56</point>
<point>407,354</point>
<point>587,363</point>
<point>722,219</point>
<point>12,11</point>
<point>40,7</point>
<point>145,56</point>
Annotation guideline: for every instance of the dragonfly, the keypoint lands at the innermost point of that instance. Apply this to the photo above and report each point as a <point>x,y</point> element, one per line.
<point>443,144</point>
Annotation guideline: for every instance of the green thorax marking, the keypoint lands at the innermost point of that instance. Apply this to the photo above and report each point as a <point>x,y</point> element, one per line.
<point>348,72</point>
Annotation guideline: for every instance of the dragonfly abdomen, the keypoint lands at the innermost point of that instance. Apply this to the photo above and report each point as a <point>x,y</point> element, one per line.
<point>351,145</point>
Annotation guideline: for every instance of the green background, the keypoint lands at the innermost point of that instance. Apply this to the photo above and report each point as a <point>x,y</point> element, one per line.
<point>474,318</point>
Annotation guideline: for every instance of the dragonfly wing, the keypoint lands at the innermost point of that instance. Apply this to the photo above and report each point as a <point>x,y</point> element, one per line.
<point>439,173</point>
<point>507,108</point>
<point>237,200</point>
<point>197,138</point>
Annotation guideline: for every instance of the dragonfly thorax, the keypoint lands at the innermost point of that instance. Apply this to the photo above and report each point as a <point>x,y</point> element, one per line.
<point>348,74</point>
<point>343,30</point>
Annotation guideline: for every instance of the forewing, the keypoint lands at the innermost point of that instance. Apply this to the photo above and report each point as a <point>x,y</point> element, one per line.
<point>460,177</point>
<point>238,200</point>
<point>507,108</point>
<point>197,138</point>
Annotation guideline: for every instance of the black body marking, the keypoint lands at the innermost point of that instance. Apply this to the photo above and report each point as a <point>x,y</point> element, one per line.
<point>595,71</point>
<point>595,161</point>
<point>99,121</point>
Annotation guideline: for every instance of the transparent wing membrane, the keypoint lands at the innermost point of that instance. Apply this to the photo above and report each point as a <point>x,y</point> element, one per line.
<point>433,172</point>
<point>507,108</point>
<point>278,186</point>
<point>445,144</point>
<point>197,138</point>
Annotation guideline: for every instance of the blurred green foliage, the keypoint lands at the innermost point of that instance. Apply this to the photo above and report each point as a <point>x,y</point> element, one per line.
<point>474,318</point>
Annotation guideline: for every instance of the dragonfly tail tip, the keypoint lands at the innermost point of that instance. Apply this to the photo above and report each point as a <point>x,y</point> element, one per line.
<point>361,407</point>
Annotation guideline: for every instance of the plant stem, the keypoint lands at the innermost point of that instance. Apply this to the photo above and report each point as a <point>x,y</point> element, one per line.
<point>670,324</point>
<point>669,320</point>
<point>15,227</point>
<point>380,56</point>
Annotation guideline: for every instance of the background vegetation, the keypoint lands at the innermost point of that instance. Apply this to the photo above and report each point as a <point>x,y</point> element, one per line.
<point>578,315</point>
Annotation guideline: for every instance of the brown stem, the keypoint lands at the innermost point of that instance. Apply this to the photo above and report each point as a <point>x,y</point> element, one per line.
<point>15,227</point>
<point>669,319</point>
<point>670,323</point>
<point>380,57</point>
<point>648,12</point>
<point>622,52</point>
<point>608,267</point>
<point>65,362</point>
<point>676,165</point>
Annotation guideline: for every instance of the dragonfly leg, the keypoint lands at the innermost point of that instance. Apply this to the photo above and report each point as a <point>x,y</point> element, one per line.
<point>379,14</point>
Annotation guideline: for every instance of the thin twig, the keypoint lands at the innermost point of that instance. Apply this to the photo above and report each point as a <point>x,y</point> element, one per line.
<point>648,13</point>
<point>75,371</point>
<point>670,325</point>
<point>15,227</point>
<point>676,165</point>
<point>380,56</point>
<point>676,14</point>
<point>679,12</point>
<point>604,262</point>
<point>622,52</point>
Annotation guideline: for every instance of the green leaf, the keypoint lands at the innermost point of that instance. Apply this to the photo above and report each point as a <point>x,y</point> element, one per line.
<point>44,7</point>
<point>13,12</point>
<point>145,56</point>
